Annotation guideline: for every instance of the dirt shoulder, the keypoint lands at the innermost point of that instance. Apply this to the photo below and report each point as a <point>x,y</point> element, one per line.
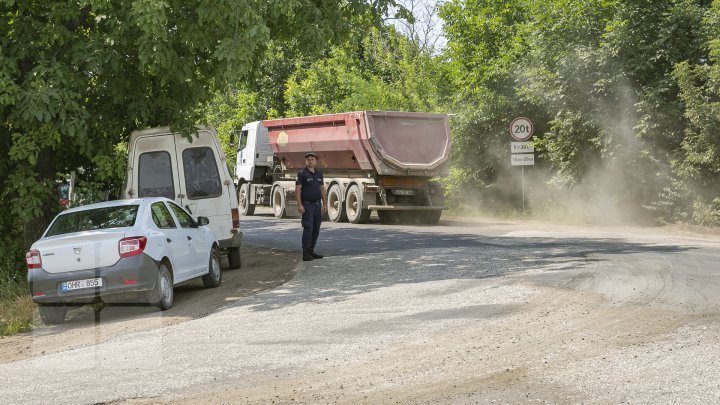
<point>262,269</point>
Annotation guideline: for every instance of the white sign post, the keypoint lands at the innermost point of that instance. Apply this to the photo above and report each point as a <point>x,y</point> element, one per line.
<point>522,152</point>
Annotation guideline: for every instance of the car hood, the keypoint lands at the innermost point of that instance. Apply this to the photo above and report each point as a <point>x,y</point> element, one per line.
<point>79,251</point>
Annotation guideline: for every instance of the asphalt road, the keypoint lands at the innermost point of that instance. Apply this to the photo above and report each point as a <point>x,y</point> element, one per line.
<point>464,312</point>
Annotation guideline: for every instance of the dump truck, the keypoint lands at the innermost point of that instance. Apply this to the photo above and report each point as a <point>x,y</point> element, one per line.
<point>371,161</point>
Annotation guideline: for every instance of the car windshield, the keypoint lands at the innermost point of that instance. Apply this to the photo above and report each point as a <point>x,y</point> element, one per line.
<point>98,218</point>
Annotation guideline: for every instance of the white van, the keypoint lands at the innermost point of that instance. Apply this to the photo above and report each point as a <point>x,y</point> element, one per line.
<point>193,173</point>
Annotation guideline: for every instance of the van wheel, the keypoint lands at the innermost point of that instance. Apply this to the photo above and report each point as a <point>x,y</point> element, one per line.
<point>353,206</point>
<point>336,209</point>
<point>234,258</point>
<point>52,314</point>
<point>164,294</point>
<point>214,277</point>
<point>244,200</point>
<point>279,203</point>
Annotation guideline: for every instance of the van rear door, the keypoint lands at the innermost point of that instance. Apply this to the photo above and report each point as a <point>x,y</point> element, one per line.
<point>203,181</point>
<point>157,168</point>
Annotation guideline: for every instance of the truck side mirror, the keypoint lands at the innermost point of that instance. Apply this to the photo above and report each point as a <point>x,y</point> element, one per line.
<point>202,221</point>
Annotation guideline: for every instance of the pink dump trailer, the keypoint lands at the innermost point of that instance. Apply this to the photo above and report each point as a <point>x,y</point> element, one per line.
<point>371,160</point>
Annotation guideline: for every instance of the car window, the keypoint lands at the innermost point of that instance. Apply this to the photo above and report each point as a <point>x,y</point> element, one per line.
<point>155,177</point>
<point>185,219</point>
<point>202,179</point>
<point>92,219</point>
<point>161,216</point>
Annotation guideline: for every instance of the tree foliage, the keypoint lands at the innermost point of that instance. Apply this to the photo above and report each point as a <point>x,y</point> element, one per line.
<point>619,92</point>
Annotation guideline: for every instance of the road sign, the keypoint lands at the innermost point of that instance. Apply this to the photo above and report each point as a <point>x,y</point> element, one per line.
<point>521,129</point>
<point>522,159</point>
<point>522,147</point>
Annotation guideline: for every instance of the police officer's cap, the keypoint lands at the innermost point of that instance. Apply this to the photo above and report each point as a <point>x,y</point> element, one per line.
<point>307,155</point>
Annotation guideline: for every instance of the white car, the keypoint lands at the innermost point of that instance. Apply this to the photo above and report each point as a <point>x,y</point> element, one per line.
<point>119,251</point>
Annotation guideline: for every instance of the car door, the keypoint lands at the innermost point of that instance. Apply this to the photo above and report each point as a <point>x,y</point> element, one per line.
<point>174,238</point>
<point>195,237</point>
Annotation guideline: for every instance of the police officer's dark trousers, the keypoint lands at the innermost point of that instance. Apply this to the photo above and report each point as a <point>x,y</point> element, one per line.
<point>311,219</point>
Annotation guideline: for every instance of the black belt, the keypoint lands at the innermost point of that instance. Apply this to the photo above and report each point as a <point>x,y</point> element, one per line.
<point>312,202</point>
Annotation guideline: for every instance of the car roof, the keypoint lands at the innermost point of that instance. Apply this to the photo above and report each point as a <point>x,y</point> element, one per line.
<point>116,203</point>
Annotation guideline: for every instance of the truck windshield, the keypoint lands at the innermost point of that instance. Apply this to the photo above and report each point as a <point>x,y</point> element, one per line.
<point>92,219</point>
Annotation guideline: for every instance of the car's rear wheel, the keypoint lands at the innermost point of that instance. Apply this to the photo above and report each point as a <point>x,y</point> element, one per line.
<point>214,277</point>
<point>52,314</point>
<point>164,289</point>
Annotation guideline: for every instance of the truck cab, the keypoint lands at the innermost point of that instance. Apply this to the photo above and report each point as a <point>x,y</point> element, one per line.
<point>255,156</point>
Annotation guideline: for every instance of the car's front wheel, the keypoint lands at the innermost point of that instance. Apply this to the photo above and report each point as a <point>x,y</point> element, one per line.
<point>52,314</point>
<point>164,289</point>
<point>214,276</point>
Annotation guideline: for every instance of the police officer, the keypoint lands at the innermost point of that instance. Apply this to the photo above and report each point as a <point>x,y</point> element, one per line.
<point>312,204</point>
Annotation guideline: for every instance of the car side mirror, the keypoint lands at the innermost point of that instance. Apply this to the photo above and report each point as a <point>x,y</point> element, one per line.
<point>202,221</point>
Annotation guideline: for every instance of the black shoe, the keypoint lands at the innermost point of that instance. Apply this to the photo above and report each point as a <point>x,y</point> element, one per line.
<point>315,255</point>
<point>307,256</point>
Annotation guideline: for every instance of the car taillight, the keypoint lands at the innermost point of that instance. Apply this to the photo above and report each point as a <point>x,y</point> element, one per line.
<point>132,246</point>
<point>32,257</point>
<point>235,218</point>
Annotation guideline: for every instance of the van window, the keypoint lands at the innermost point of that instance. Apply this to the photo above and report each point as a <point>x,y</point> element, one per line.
<point>155,177</point>
<point>202,179</point>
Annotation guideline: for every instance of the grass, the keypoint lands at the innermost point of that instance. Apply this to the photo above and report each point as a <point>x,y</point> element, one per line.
<point>16,308</point>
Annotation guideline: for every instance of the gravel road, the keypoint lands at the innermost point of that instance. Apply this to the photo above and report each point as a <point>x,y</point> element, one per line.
<point>465,312</point>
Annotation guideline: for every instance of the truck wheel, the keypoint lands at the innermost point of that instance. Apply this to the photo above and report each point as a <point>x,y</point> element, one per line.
<point>430,217</point>
<point>52,314</point>
<point>214,276</point>
<point>244,200</point>
<point>234,260</point>
<point>353,206</point>
<point>279,202</point>
<point>336,209</point>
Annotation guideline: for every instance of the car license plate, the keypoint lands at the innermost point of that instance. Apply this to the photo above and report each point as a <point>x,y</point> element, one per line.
<point>80,284</point>
<point>403,192</point>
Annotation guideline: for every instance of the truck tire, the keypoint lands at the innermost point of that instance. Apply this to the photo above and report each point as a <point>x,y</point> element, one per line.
<point>430,217</point>
<point>244,200</point>
<point>336,209</point>
<point>279,203</point>
<point>353,206</point>
<point>234,260</point>
<point>52,314</point>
